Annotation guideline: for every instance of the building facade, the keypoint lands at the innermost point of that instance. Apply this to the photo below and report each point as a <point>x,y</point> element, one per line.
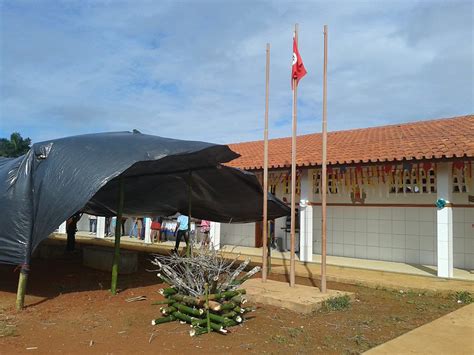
<point>384,184</point>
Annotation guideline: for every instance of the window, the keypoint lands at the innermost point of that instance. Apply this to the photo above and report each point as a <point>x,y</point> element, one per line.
<point>288,184</point>
<point>272,189</point>
<point>316,181</point>
<point>415,181</point>
<point>331,182</point>
<point>459,179</point>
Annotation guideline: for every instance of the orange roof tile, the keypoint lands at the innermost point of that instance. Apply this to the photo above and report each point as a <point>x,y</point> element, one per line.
<point>434,139</point>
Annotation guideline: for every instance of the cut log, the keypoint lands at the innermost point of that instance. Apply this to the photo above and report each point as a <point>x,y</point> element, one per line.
<point>228,306</point>
<point>168,310</point>
<point>230,314</point>
<point>167,291</point>
<point>239,299</point>
<point>168,301</point>
<point>183,317</point>
<point>239,310</point>
<point>193,301</point>
<point>215,306</point>
<point>188,310</point>
<point>170,318</point>
<point>197,331</point>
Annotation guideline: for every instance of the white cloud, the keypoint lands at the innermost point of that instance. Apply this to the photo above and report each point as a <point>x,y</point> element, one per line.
<point>195,70</point>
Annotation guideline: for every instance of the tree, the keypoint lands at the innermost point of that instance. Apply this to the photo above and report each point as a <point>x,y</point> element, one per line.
<point>15,146</point>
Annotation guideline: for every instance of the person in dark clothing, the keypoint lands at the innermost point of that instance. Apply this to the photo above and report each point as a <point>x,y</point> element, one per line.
<point>181,231</point>
<point>124,220</point>
<point>71,229</point>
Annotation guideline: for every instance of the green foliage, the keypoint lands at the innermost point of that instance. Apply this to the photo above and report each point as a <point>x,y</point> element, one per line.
<point>337,303</point>
<point>463,297</point>
<point>279,339</point>
<point>15,146</point>
<point>7,330</point>
<point>294,332</point>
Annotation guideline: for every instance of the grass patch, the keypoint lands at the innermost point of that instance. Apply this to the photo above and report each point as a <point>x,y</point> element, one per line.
<point>294,332</point>
<point>362,342</point>
<point>279,339</point>
<point>7,330</point>
<point>463,297</point>
<point>337,303</point>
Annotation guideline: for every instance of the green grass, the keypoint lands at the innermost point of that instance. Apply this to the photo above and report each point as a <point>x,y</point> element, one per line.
<point>7,330</point>
<point>294,332</point>
<point>463,297</point>
<point>279,339</point>
<point>337,303</point>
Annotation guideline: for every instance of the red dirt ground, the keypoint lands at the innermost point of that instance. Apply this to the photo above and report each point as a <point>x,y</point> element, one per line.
<point>70,311</point>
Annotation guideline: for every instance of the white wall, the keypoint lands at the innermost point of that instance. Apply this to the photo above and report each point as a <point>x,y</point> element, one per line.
<point>238,234</point>
<point>463,238</point>
<point>400,234</point>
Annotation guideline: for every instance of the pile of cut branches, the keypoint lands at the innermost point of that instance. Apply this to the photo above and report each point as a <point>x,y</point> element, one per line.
<point>203,290</point>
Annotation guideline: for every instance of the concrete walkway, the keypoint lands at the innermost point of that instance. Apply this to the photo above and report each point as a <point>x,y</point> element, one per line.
<point>355,274</point>
<point>379,265</point>
<point>450,334</point>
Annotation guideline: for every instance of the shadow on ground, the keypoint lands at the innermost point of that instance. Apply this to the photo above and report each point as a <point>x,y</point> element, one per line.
<point>50,278</point>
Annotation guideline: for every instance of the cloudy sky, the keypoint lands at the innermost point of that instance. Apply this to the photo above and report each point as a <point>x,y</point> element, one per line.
<point>196,69</point>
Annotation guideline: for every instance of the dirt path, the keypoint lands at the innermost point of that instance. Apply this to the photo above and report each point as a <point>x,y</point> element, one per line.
<point>70,311</point>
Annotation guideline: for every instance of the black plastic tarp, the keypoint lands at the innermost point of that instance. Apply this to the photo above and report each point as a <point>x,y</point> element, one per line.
<point>40,190</point>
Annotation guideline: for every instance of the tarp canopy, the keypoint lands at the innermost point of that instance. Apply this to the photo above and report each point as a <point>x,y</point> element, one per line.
<point>55,179</point>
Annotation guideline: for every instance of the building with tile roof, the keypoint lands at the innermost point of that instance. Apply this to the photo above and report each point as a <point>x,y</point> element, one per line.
<point>383,185</point>
<point>422,140</point>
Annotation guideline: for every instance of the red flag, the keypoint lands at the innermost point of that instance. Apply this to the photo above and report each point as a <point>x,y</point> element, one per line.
<point>297,70</point>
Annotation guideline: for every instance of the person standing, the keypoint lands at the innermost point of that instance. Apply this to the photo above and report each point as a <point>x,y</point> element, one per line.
<point>71,229</point>
<point>124,220</point>
<point>92,224</point>
<point>181,231</point>
<point>205,229</point>
<point>156,229</point>
<point>108,221</point>
<point>140,229</point>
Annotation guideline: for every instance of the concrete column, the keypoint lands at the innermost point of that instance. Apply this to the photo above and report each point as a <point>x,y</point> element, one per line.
<point>215,235</point>
<point>306,217</point>
<point>444,190</point>
<point>147,223</point>
<point>62,228</point>
<point>100,232</point>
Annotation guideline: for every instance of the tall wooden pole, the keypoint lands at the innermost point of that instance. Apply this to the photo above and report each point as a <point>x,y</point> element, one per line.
<point>265,252</point>
<point>118,234</point>
<point>293,180</point>
<point>324,172</point>
<point>190,191</point>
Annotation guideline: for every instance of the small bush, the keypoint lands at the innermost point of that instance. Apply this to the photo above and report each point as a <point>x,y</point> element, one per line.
<point>7,330</point>
<point>294,332</point>
<point>279,339</point>
<point>463,297</point>
<point>337,303</point>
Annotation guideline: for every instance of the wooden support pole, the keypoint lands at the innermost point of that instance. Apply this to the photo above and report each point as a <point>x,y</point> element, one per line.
<point>293,180</point>
<point>324,170</point>
<point>22,281</point>
<point>266,245</point>
<point>208,316</point>
<point>190,192</point>
<point>118,234</point>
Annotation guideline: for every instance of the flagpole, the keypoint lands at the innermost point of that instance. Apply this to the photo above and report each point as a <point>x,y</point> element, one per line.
<point>265,172</point>
<point>293,179</point>
<point>324,169</point>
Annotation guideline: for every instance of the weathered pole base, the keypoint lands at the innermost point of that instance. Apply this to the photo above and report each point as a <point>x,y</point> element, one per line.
<point>113,286</point>
<point>22,281</point>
